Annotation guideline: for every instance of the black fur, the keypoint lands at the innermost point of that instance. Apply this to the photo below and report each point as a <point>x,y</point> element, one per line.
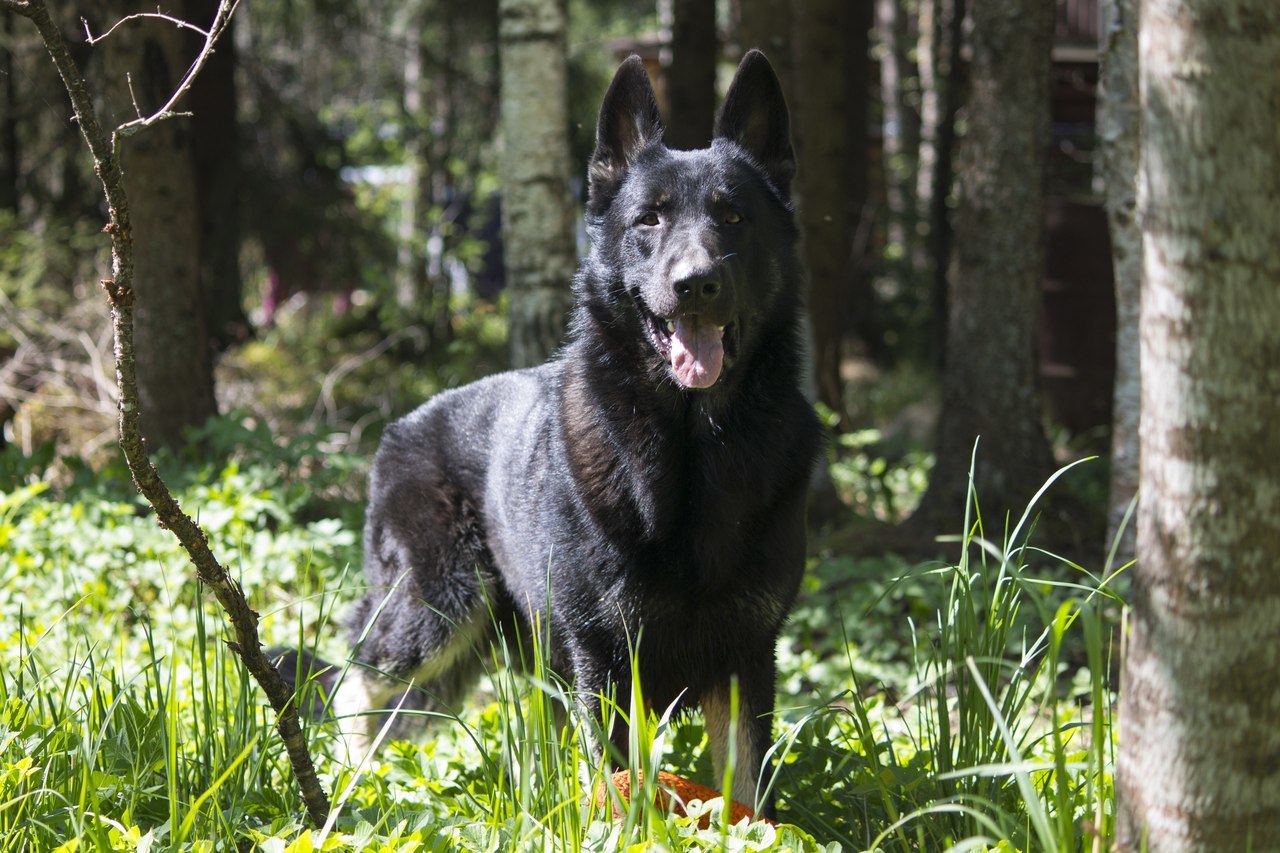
<point>655,509</point>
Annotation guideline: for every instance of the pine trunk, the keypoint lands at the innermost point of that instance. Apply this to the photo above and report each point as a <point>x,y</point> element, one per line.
<point>941,25</point>
<point>175,361</point>
<point>822,181</point>
<point>1199,762</point>
<point>1118,129</point>
<point>691,76</point>
<point>9,159</point>
<point>537,215</point>
<point>901,129</point>
<point>215,136</point>
<point>767,25</point>
<point>990,375</point>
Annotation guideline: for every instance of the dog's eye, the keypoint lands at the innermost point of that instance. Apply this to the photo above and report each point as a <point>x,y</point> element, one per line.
<point>733,217</point>
<point>650,219</point>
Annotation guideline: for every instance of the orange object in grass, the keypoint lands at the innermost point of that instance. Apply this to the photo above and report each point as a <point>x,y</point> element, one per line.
<point>673,791</point>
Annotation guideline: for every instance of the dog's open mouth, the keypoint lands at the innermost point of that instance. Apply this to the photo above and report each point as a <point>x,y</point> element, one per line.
<point>695,347</point>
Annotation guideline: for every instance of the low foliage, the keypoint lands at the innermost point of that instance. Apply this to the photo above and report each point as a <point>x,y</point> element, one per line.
<point>957,706</point>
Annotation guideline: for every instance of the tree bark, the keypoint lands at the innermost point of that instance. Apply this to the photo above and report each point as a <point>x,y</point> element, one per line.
<point>1118,136</point>
<point>10,162</point>
<point>143,64</point>
<point>767,25</point>
<point>823,179</point>
<point>691,76</point>
<point>1199,761</point>
<point>941,88</point>
<point>990,375</point>
<point>537,215</point>
<point>215,136</point>
<point>901,130</point>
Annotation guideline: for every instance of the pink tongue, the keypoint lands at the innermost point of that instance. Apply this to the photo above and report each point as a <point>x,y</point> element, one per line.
<point>697,352</point>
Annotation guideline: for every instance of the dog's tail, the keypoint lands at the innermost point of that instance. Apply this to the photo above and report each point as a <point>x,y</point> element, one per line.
<point>312,679</point>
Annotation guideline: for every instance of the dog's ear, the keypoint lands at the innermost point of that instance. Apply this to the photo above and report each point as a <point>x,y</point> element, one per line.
<point>628,122</point>
<point>755,116</point>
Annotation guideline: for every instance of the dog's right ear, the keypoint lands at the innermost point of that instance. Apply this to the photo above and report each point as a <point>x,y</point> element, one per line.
<point>628,122</point>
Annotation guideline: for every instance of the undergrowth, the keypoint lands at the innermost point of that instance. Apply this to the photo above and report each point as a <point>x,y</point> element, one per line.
<point>944,706</point>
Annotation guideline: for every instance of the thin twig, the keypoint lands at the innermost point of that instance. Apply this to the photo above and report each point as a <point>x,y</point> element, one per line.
<point>226,9</point>
<point>177,22</point>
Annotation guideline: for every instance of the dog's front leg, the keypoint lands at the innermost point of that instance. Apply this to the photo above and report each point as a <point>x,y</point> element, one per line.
<point>603,700</point>
<point>751,735</point>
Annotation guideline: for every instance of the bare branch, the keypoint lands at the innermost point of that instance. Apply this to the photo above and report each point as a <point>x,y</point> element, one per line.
<point>120,295</point>
<point>161,16</point>
<point>226,8</point>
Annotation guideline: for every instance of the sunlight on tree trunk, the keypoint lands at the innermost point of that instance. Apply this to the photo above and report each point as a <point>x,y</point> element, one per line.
<point>1199,762</point>
<point>537,214</point>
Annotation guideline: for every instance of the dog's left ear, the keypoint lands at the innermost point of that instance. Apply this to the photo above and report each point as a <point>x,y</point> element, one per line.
<point>629,121</point>
<point>755,116</point>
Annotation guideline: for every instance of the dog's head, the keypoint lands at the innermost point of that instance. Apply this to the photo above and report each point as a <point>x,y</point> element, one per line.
<point>693,252</point>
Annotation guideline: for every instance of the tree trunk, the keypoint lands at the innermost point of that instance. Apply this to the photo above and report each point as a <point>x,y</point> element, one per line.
<point>1118,120</point>
<point>9,160</point>
<point>990,379</point>
<point>412,285</point>
<point>215,134</point>
<point>1199,761</point>
<point>941,88</point>
<point>537,215</point>
<point>823,178</point>
<point>691,76</point>
<point>901,130</point>
<point>175,363</point>
<point>767,25</point>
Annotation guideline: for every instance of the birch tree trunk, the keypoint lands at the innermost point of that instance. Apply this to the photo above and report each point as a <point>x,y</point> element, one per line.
<point>1199,761</point>
<point>990,374</point>
<point>1118,135</point>
<point>537,213</point>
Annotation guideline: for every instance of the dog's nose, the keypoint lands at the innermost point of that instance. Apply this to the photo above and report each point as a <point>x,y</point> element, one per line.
<point>698,287</point>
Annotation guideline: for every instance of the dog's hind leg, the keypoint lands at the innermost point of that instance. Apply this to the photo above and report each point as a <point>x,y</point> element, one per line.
<point>380,699</point>
<point>422,631</point>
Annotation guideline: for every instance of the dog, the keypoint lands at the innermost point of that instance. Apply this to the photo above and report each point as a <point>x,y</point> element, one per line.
<point>649,482</point>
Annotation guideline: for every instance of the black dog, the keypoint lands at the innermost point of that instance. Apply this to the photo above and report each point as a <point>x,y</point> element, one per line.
<point>650,481</point>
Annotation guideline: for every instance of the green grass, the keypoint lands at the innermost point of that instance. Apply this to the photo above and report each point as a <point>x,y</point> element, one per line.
<point>963,706</point>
